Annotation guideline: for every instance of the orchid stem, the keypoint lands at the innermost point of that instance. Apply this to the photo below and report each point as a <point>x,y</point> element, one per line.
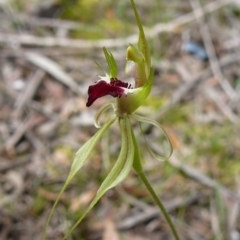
<point>138,168</point>
<point>159,203</point>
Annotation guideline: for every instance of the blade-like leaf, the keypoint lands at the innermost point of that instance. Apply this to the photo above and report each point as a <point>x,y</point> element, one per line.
<point>81,156</point>
<point>84,152</point>
<point>119,171</point>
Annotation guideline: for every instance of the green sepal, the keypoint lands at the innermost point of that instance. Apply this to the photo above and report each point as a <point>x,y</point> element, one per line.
<point>138,58</point>
<point>159,127</point>
<point>119,171</point>
<point>142,42</point>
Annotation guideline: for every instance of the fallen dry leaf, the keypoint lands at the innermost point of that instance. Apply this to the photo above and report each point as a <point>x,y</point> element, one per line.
<point>110,232</point>
<point>82,200</point>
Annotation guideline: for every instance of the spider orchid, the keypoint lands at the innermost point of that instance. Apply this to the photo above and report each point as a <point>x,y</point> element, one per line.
<point>128,99</point>
<point>138,66</point>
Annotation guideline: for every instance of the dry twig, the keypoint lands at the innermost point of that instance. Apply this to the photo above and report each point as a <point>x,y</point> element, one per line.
<point>70,43</point>
<point>202,179</point>
<point>212,93</point>
<point>183,89</point>
<point>30,90</point>
<point>234,212</point>
<point>215,67</point>
<point>52,68</point>
<point>152,212</point>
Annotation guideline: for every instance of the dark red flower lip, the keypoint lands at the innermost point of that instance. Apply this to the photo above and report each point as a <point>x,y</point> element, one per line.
<point>115,88</point>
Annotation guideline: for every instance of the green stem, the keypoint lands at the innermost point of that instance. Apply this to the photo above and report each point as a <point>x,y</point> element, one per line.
<point>138,168</point>
<point>160,204</point>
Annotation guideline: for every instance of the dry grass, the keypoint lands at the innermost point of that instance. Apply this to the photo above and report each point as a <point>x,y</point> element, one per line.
<point>47,65</point>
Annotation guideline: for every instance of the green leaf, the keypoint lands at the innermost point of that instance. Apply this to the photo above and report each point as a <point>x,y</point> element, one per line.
<point>119,171</point>
<point>84,152</point>
<point>81,157</point>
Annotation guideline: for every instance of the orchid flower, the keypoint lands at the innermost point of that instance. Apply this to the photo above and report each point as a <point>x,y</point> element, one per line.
<point>128,100</point>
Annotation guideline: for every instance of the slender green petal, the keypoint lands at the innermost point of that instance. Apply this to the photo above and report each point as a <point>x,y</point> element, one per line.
<point>128,104</point>
<point>157,125</point>
<point>119,171</point>
<point>99,113</point>
<point>81,156</point>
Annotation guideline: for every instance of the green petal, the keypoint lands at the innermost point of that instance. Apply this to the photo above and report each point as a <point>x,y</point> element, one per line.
<point>119,171</point>
<point>157,125</point>
<point>81,156</point>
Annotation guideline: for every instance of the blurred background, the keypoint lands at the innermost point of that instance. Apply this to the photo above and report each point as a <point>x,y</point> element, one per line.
<point>48,51</point>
